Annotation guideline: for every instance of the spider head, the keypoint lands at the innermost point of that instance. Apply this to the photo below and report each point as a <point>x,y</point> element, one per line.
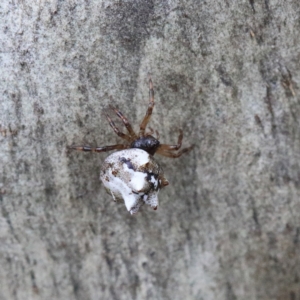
<point>147,143</point>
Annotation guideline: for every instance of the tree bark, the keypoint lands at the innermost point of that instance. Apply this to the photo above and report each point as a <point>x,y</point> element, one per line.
<point>227,73</point>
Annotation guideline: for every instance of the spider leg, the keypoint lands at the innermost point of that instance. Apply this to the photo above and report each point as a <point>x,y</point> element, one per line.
<point>174,154</point>
<point>116,130</point>
<point>98,149</point>
<point>149,110</point>
<point>165,147</point>
<point>125,122</point>
<point>151,131</point>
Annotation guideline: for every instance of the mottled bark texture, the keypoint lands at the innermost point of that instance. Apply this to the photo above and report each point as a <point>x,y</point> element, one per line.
<point>227,72</point>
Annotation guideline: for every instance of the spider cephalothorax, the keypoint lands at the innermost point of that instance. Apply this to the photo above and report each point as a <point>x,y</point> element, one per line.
<point>132,174</point>
<point>146,143</point>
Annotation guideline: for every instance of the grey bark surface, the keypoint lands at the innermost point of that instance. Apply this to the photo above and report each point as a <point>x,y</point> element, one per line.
<point>227,72</point>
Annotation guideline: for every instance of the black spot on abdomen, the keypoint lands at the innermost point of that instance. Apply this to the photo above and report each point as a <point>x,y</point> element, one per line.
<point>127,162</point>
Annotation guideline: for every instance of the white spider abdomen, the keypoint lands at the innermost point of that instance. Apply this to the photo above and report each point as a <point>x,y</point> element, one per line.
<point>134,176</point>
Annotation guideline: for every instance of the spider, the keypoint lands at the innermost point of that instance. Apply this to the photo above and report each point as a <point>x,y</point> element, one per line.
<point>131,174</point>
<point>143,140</point>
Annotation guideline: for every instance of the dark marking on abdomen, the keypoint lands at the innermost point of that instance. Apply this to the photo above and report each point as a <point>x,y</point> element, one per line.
<point>127,162</point>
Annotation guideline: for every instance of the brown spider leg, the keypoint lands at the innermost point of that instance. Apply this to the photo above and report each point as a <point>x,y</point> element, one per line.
<point>151,131</point>
<point>125,122</point>
<point>157,134</point>
<point>174,154</point>
<point>98,149</point>
<point>165,147</point>
<point>116,130</point>
<point>149,110</point>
